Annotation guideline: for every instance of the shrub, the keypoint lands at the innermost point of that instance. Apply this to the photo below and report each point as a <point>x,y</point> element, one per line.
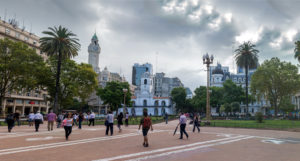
<point>259,117</point>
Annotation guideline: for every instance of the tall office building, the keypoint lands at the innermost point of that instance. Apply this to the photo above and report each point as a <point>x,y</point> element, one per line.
<point>163,86</point>
<point>138,70</point>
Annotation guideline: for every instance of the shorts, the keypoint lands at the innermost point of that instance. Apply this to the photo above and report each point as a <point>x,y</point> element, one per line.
<point>145,132</point>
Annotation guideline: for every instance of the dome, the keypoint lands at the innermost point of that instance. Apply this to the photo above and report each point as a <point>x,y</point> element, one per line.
<point>218,70</point>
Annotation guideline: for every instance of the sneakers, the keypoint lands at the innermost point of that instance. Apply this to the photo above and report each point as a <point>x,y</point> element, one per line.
<point>145,145</point>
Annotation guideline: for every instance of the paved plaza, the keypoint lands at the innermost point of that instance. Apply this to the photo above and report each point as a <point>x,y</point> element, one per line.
<point>90,143</point>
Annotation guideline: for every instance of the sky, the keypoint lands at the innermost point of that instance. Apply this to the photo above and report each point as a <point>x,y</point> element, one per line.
<point>173,35</point>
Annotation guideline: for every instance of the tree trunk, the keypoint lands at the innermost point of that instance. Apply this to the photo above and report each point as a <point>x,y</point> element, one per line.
<point>55,107</point>
<point>246,74</point>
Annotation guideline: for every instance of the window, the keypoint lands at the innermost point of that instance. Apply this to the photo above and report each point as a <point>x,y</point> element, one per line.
<point>34,42</point>
<point>156,103</point>
<point>7,31</point>
<point>145,103</point>
<point>26,38</point>
<point>17,35</point>
<point>19,101</point>
<point>145,81</point>
<point>163,103</point>
<point>28,94</point>
<point>9,101</point>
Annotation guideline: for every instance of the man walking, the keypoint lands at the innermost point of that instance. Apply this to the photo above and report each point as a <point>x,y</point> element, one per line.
<point>17,117</point>
<point>10,120</point>
<point>92,119</point>
<point>51,118</point>
<point>38,119</point>
<point>166,117</point>
<point>182,122</point>
<point>110,123</point>
<point>146,124</point>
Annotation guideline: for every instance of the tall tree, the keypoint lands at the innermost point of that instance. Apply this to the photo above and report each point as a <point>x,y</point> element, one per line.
<point>246,56</point>
<point>179,98</point>
<point>77,81</point>
<point>20,68</point>
<point>297,50</point>
<point>59,42</point>
<point>112,94</point>
<point>275,81</point>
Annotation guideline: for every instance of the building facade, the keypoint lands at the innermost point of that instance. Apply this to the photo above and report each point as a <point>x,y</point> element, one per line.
<point>23,101</point>
<point>94,52</point>
<point>138,70</point>
<point>163,86</point>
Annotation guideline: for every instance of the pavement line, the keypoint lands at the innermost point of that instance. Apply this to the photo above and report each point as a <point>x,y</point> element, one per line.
<point>61,144</point>
<point>189,149</point>
<point>165,149</point>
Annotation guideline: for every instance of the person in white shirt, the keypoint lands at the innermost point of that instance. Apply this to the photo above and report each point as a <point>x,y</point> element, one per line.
<point>38,119</point>
<point>75,116</point>
<point>182,122</point>
<point>109,123</point>
<point>126,119</point>
<point>92,119</point>
<point>31,118</point>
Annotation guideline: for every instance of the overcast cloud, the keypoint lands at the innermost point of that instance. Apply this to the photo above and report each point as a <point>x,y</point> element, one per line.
<point>171,34</point>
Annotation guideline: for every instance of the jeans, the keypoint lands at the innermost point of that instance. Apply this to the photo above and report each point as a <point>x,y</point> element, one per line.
<point>92,121</point>
<point>68,131</point>
<point>58,124</point>
<point>50,125</point>
<point>10,124</point>
<point>196,125</point>
<point>111,127</point>
<point>182,130</point>
<point>37,124</point>
<point>79,124</point>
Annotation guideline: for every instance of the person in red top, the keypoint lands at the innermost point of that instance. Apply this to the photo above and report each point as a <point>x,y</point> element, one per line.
<point>146,124</point>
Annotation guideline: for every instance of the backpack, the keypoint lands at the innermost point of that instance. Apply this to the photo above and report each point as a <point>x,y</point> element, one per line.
<point>147,122</point>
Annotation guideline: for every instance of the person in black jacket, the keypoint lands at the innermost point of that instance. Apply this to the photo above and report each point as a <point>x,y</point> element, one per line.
<point>10,120</point>
<point>196,123</point>
<point>120,121</point>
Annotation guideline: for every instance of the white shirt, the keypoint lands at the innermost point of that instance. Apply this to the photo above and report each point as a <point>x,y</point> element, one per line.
<point>38,116</point>
<point>110,118</point>
<point>92,116</point>
<point>31,116</point>
<point>182,119</point>
<point>127,116</point>
<point>75,117</point>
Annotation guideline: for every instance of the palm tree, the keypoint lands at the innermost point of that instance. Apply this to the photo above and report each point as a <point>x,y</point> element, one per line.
<point>62,43</point>
<point>297,50</point>
<point>246,56</point>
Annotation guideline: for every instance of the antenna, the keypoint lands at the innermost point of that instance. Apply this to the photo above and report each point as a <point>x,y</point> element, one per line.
<point>156,62</point>
<point>23,27</point>
<point>30,28</point>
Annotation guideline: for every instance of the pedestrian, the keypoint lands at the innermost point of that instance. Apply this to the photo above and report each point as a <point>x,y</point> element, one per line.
<point>75,117</point>
<point>182,122</point>
<point>109,123</point>
<point>196,123</point>
<point>68,123</point>
<point>59,120</point>
<point>126,119</point>
<point>51,117</point>
<point>92,119</point>
<point>166,117</point>
<point>17,117</point>
<point>38,119</point>
<point>120,121</point>
<point>10,120</point>
<point>30,118</point>
<point>146,125</point>
<point>80,119</point>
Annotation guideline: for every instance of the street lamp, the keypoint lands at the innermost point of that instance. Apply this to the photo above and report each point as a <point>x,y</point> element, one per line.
<point>125,91</point>
<point>207,60</point>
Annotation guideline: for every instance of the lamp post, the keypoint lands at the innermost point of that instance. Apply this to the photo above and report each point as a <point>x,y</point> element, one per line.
<point>207,60</point>
<point>125,91</point>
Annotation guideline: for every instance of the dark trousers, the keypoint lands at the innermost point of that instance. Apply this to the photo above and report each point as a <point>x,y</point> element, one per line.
<point>79,124</point>
<point>196,125</point>
<point>18,121</point>
<point>111,127</point>
<point>182,130</point>
<point>92,121</point>
<point>68,131</point>
<point>126,122</point>
<point>10,124</point>
<point>37,124</point>
<point>75,122</point>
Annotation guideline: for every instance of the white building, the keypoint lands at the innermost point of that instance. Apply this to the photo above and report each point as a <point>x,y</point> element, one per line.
<point>94,52</point>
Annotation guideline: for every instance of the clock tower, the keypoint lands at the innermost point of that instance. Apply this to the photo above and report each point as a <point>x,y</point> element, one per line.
<point>94,52</point>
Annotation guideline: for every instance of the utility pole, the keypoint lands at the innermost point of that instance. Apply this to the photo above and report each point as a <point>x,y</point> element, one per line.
<point>208,60</point>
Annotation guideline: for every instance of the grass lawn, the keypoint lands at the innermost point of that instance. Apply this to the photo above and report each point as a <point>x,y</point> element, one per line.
<point>267,124</point>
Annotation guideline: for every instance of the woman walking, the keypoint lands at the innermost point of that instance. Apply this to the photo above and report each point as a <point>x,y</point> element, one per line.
<point>38,119</point>
<point>196,123</point>
<point>126,119</point>
<point>146,124</point>
<point>67,123</point>
<point>120,121</point>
